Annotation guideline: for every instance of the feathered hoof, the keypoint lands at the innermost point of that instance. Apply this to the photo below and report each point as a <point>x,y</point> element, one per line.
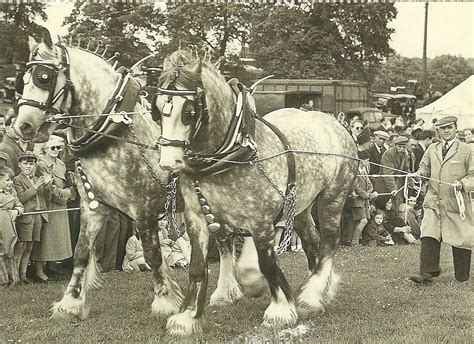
<point>165,306</point>
<point>222,297</point>
<point>70,308</point>
<point>183,324</point>
<point>280,316</point>
<point>307,311</point>
<point>253,282</point>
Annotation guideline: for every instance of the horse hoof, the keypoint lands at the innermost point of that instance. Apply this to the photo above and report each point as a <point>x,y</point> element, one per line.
<point>70,308</point>
<point>306,311</point>
<point>183,324</point>
<point>225,298</point>
<point>280,316</point>
<point>163,306</point>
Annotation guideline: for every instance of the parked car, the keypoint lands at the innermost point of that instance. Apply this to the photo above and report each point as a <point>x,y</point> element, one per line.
<point>397,104</point>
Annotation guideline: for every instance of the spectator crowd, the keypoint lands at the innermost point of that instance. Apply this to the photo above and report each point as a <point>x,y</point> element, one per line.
<point>40,220</point>
<point>38,235</point>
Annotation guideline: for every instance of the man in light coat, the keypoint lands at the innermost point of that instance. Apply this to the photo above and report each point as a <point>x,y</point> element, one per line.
<point>450,164</point>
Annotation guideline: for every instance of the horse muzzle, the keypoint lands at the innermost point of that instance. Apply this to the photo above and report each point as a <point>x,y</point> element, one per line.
<point>172,158</point>
<point>25,130</point>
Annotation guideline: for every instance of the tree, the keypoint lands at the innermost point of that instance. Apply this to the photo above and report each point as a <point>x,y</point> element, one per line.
<point>396,71</point>
<point>214,26</point>
<point>16,23</point>
<point>447,71</point>
<point>127,28</point>
<point>323,40</point>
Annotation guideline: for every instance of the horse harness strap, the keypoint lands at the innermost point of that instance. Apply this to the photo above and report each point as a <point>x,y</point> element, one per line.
<point>290,158</point>
<point>109,127</point>
<point>45,76</point>
<point>239,144</point>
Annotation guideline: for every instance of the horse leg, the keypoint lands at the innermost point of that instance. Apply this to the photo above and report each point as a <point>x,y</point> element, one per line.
<point>190,320</point>
<point>281,311</point>
<point>305,227</point>
<point>228,290</point>
<point>320,287</point>
<point>73,303</point>
<point>248,273</point>
<point>168,295</point>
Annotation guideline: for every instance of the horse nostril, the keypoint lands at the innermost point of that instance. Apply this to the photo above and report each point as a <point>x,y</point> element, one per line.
<point>25,127</point>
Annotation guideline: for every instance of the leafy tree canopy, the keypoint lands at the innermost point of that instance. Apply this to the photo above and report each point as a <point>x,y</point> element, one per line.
<point>16,23</point>
<point>444,73</point>
<point>127,28</point>
<point>336,41</point>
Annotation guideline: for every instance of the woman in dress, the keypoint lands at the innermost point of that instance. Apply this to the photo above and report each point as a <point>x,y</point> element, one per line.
<point>55,243</point>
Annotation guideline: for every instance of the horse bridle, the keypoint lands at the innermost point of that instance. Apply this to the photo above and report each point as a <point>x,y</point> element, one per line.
<point>198,113</point>
<point>45,76</point>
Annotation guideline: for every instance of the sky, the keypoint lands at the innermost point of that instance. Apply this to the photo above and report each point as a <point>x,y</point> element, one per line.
<point>450,27</point>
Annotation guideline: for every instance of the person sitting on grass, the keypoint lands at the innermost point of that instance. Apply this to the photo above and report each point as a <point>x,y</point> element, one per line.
<point>407,214</point>
<point>134,259</point>
<point>10,209</point>
<point>175,244</point>
<point>401,233</point>
<point>375,233</point>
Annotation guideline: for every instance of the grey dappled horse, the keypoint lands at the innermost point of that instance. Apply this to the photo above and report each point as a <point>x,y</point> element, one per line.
<point>199,139</point>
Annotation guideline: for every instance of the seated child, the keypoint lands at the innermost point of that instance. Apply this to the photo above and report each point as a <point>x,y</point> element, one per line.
<point>375,233</point>
<point>408,215</point>
<point>30,190</point>
<point>134,259</point>
<point>176,253</point>
<point>10,209</point>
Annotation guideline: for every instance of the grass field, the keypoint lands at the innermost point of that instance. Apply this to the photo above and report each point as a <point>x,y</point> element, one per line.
<point>376,303</point>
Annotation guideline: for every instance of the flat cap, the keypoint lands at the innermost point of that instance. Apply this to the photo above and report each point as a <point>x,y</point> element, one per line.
<point>400,140</point>
<point>27,155</point>
<point>445,121</point>
<point>382,133</point>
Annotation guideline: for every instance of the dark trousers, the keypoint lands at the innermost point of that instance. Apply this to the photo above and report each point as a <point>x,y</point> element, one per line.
<point>430,254</point>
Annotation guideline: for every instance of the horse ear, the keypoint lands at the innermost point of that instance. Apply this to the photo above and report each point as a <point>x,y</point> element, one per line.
<point>198,68</point>
<point>32,43</point>
<point>46,38</point>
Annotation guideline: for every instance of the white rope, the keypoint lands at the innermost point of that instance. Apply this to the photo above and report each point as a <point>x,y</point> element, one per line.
<point>49,211</point>
<point>460,201</point>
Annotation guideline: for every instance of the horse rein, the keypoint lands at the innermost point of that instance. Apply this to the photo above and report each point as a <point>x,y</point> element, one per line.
<point>45,75</point>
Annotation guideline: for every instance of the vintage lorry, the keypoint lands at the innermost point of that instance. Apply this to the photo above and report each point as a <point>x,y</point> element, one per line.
<point>331,96</point>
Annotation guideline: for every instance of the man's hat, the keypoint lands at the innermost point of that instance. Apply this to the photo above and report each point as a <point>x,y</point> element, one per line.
<point>382,133</point>
<point>27,155</point>
<point>400,140</point>
<point>445,121</point>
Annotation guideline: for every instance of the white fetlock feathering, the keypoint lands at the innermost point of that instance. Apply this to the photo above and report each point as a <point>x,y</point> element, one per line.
<point>280,312</point>
<point>70,307</point>
<point>184,324</point>
<point>317,292</point>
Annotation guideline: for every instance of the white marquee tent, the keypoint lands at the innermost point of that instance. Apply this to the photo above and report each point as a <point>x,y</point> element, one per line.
<point>458,102</point>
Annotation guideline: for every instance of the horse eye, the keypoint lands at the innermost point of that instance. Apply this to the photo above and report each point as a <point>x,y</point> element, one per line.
<point>189,115</point>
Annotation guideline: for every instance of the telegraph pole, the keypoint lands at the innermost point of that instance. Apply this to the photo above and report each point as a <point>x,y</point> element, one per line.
<point>425,68</point>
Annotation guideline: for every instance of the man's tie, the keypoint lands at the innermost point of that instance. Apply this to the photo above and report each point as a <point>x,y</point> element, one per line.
<point>445,149</point>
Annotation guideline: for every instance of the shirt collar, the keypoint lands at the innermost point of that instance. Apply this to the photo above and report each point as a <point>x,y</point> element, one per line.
<point>450,143</point>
